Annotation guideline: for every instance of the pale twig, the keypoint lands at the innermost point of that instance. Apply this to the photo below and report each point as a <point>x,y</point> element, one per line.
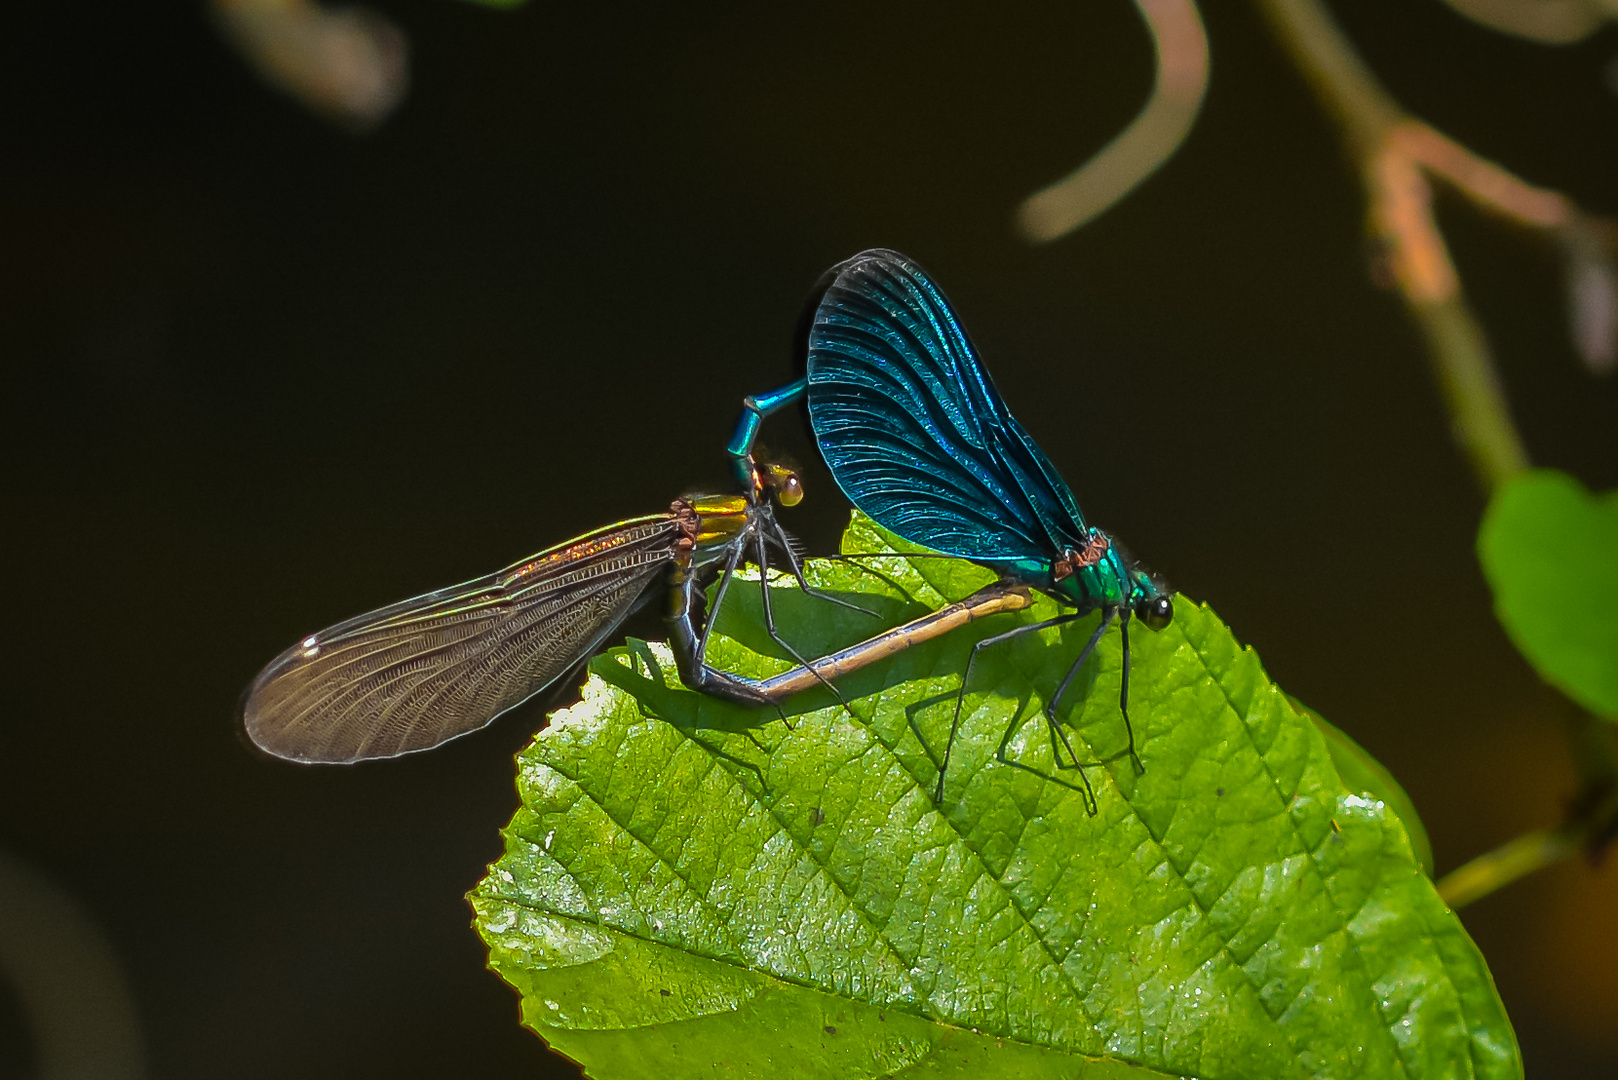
<point>1381,138</point>
<point>1586,243</point>
<point>350,63</point>
<point>1485,183</point>
<point>1550,22</point>
<point>1396,155</point>
<point>1181,46</point>
<point>1588,828</point>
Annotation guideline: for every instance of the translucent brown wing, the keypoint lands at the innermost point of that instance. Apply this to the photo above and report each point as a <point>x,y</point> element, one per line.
<point>418,673</point>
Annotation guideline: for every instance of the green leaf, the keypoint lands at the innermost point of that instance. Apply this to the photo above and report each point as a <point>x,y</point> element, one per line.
<point>1550,551</point>
<point>695,889</point>
<point>1361,772</point>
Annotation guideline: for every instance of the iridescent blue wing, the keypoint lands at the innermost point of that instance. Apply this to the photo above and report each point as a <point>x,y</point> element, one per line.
<point>913,428</point>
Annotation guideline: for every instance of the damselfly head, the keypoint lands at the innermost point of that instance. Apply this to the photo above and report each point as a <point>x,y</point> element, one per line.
<point>1152,602</point>
<point>782,482</point>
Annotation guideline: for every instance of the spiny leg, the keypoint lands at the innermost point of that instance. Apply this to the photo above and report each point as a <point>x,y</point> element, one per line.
<point>718,601</point>
<point>853,560</point>
<point>769,622</point>
<point>784,542</point>
<point>1123,698</point>
<point>966,676</point>
<point>1072,673</point>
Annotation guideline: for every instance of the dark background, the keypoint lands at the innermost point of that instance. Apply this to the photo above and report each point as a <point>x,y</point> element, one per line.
<point>260,375</point>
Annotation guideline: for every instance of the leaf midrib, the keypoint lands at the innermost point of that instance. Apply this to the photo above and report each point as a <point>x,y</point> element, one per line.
<point>1281,808</point>
<point>1008,895</point>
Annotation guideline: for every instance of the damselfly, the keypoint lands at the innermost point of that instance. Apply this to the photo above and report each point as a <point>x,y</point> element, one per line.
<point>418,673</point>
<point>917,436</point>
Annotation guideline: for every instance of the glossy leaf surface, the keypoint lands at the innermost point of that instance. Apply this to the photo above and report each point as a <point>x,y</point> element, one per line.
<point>1550,551</point>
<point>1361,772</point>
<point>695,889</point>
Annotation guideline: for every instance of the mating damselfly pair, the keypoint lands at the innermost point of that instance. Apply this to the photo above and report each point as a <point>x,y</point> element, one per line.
<point>914,433</point>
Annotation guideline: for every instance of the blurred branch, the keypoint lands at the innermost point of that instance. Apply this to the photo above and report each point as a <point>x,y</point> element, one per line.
<point>1485,183</point>
<point>1589,828</point>
<point>1550,22</point>
<point>67,979</point>
<point>1586,243</point>
<point>1397,156</point>
<point>1401,218</point>
<point>1181,46</point>
<point>351,64</point>
<point>1505,864</point>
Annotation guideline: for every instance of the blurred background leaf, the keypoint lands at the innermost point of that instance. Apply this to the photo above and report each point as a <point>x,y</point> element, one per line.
<point>1550,551</point>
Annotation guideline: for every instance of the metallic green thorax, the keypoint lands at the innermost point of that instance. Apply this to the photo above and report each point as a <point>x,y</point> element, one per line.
<point>1111,582</point>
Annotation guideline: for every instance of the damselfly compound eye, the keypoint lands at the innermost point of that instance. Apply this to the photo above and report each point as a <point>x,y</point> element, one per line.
<point>1156,612</point>
<point>788,488</point>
